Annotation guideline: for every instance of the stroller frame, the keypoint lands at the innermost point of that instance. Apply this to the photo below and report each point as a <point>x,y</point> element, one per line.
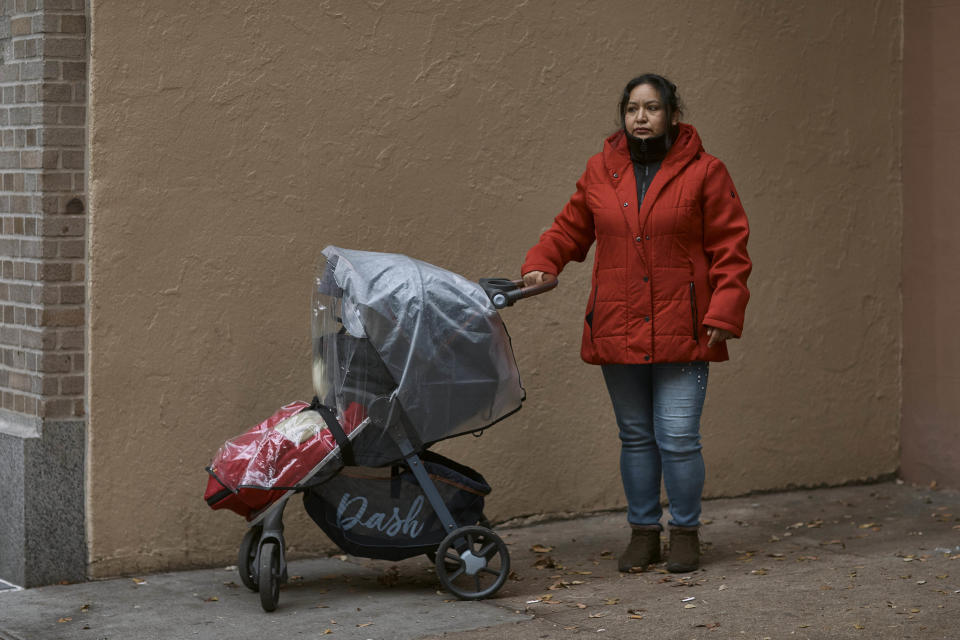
<point>468,554</point>
<point>470,551</point>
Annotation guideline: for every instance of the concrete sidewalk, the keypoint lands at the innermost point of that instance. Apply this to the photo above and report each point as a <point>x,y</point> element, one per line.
<point>877,561</point>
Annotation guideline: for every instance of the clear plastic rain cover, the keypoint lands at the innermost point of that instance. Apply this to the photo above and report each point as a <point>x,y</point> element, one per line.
<point>389,327</point>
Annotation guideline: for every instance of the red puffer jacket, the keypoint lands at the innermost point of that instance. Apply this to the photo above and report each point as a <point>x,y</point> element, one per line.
<point>660,274</point>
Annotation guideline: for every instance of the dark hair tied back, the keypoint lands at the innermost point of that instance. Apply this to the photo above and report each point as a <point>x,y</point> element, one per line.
<point>666,89</point>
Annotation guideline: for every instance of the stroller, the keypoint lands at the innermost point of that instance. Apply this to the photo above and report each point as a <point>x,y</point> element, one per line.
<point>405,354</point>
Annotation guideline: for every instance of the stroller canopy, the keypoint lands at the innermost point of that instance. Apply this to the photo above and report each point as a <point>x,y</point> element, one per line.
<point>386,325</point>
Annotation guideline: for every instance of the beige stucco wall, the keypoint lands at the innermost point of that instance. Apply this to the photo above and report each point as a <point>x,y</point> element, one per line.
<point>931,228</point>
<point>231,141</point>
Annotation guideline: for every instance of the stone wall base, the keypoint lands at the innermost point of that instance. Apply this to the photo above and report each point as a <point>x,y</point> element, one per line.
<point>42,539</point>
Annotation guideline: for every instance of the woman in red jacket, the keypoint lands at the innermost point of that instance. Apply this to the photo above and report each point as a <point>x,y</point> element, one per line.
<point>669,288</point>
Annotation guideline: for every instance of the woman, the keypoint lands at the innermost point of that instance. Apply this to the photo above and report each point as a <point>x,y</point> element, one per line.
<point>669,288</point>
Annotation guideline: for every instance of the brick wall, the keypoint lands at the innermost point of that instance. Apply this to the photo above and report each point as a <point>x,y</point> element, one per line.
<point>42,207</point>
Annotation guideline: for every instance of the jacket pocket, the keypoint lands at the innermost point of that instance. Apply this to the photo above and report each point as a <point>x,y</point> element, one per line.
<point>593,307</point>
<point>693,309</point>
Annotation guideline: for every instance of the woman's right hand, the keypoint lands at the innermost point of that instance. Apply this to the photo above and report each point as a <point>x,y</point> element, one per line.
<point>533,278</point>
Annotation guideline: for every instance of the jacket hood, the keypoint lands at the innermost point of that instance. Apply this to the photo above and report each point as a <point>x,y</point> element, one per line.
<point>616,152</point>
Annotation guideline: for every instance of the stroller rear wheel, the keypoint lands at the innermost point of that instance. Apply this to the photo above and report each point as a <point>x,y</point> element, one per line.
<point>472,563</point>
<point>269,575</point>
<point>247,558</point>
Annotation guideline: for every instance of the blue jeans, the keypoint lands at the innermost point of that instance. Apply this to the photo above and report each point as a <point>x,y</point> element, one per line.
<point>658,410</point>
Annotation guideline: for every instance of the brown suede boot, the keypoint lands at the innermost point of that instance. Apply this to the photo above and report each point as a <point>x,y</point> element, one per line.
<point>643,550</point>
<point>684,555</point>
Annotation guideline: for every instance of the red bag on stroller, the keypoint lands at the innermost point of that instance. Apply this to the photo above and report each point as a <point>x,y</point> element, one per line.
<point>254,470</point>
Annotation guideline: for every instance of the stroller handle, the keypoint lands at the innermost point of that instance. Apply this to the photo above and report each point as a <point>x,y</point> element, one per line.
<point>503,292</point>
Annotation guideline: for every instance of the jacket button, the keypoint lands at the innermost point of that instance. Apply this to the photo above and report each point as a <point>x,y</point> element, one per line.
<point>646,279</point>
<point>646,357</point>
<point>639,239</point>
<point>616,175</point>
<point>648,237</point>
<point>626,204</point>
<point>646,319</point>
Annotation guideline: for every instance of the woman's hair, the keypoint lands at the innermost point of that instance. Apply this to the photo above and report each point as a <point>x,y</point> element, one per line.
<point>666,89</point>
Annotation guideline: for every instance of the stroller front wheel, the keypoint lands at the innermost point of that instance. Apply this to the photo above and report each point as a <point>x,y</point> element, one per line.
<point>247,558</point>
<point>472,563</point>
<point>269,575</point>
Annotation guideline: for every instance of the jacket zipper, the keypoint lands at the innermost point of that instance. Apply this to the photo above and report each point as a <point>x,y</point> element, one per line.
<point>693,309</point>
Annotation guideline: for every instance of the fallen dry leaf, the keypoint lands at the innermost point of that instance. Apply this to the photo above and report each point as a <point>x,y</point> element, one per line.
<point>390,577</point>
<point>580,605</point>
<point>612,601</point>
<point>858,626</point>
<point>689,606</point>
<point>759,572</point>
<point>539,548</point>
<point>636,617</point>
<point>599,614</point>
<point>86,607</point>
<point>139,580</point>
<point>365,624</point>
<point>212,599</point>
<point>547,562</point>
<point>64,620</point>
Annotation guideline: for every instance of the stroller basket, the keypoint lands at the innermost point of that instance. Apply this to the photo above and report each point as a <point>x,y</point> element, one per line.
<point>385,514</point>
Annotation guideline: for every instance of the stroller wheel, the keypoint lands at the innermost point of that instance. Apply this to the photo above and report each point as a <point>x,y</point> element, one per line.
<point>472,563</point>
<point>247,557</point>
<point>451,565</point>
<point>269,575</point>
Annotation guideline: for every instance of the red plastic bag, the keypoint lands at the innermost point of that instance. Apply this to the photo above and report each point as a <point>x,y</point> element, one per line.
<point>257,468</point>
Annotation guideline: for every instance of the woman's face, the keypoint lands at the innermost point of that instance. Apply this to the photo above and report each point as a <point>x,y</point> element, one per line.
<point>645,115</point>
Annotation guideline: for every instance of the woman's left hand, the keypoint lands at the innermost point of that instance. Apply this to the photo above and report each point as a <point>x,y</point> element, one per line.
<point>717,335</point>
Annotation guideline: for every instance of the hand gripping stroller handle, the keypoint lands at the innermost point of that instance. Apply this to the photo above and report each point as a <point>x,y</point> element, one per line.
<point>504,292</point>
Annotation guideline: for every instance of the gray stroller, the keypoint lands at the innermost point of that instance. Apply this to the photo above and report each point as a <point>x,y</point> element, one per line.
<point>405,354</point>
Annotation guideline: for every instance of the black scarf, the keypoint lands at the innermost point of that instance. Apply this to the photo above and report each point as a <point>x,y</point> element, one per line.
<point>647,154</point>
